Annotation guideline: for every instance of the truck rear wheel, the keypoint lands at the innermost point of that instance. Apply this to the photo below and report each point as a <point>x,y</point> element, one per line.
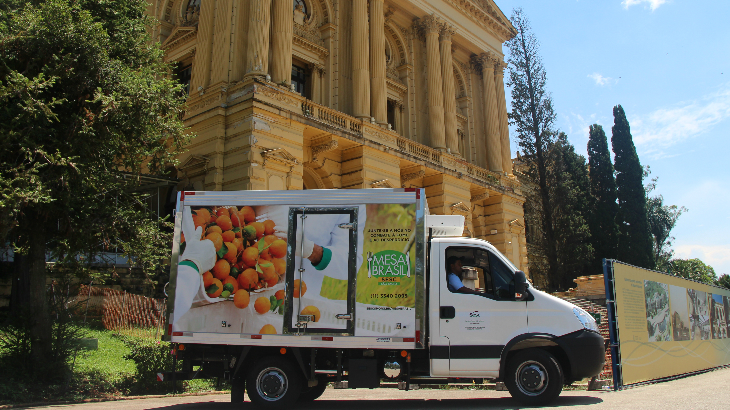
<point>312,393</point>
<point>273,383</point>
<point>534,377</point>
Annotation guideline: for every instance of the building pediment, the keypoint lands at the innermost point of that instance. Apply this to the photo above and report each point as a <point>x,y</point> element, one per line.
<point>178,36</point>
<point>279,155</point>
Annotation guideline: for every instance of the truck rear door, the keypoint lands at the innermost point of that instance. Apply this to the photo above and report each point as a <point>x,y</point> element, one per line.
<point>321,270</point>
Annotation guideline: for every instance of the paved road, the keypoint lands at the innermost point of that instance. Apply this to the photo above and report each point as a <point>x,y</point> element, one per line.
<point>705,391</point>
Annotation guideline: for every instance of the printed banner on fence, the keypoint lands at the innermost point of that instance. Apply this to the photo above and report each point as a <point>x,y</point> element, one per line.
<point>668,325</point>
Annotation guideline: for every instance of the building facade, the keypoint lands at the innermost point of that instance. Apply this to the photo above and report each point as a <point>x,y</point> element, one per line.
<point>308,94</point>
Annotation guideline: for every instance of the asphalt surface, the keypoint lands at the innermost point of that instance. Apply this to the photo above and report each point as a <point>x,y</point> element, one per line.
<point>703,391</point>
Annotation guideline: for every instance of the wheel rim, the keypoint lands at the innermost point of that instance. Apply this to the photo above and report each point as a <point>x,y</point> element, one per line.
<point>272,384</point>
<point>532,378</point>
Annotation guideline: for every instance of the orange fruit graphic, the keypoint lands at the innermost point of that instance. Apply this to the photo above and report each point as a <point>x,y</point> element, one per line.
<point>218,290</point>
<point>248,279</point>
<point>241,299</point>
<point>250,256</point>
<point>222,269</point>
<point>259,226</point>
<point>277,248</point>
<point>248,214</point>
<point>269,226</point>
<point>228,236</point>
<point>267,330</point>
<point>232,253</point>
<point>296,288</point>
<point>207,279</point>
<point>279,266</point>
<point>262,305</point>
<point>224,222</point>
<point>233,283</point>
<point>280,294</point>
<point>217,240</point>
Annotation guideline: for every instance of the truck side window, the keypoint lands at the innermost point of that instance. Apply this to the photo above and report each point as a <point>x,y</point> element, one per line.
<point>502,277</point>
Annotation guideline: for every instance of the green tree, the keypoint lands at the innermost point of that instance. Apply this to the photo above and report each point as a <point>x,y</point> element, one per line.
<point>604,208</point>
<point>86,106</point>
<point>662,219</point>
<point>570,199</point>
<point>693,269</point>
<point>533,116</point>
<point>635,244</point>
<point>724,281</point>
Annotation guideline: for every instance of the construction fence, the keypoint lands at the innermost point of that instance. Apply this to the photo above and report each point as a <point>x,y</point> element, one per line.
<point>118,310</point>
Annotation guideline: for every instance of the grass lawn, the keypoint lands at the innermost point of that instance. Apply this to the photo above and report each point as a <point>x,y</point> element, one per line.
<point>101,373</point>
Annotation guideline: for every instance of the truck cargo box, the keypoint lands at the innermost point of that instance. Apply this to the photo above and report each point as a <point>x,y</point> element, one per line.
<point>301,268</point>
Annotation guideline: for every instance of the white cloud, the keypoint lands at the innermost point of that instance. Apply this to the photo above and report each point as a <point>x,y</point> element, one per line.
<point>653,4</point>
<point>668,126</point>
<point>601,80</point>
<point>717,256</point>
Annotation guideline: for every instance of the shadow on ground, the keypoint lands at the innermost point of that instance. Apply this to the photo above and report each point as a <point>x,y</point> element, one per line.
<point>406,404</point>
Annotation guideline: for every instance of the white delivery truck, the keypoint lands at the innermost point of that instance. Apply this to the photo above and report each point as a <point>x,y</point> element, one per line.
<point>284,292</point>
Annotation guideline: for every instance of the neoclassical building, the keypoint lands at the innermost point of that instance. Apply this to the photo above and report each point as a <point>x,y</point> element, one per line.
<point>308,94</point>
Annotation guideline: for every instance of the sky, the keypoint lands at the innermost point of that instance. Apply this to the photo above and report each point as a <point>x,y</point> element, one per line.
<point>667,62</point>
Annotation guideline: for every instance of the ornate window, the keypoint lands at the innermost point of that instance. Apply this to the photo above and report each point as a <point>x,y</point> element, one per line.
<point>191,12</point>
<point>299,79</point>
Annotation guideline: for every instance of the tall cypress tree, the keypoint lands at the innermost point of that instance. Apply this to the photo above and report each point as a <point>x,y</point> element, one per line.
<point>604,209</point>
<point>569,198</point>
<point>635,243</point>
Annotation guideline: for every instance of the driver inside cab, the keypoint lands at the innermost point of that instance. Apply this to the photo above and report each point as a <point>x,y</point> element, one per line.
<point>454,276</point>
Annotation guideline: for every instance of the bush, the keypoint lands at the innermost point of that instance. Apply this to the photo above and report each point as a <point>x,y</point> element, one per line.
<point>150,356</point>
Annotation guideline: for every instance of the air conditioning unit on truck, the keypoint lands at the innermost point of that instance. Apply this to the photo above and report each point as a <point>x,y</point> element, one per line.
<point>283,292</point>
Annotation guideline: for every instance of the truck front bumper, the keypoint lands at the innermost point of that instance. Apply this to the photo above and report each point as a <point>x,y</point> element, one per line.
<point>586,352</point>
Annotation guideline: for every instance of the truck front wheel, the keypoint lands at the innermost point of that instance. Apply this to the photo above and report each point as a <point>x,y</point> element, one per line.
<point>273,383</point>
<point>534,377</point>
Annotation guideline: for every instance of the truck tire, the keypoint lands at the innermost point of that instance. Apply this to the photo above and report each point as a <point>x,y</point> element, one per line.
<point>273,383</point>
<point>312,393</point>
<point>534,377</point>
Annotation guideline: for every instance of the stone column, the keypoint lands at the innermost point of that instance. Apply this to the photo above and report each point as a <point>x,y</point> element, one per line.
<point>432,26</point>
<point>360,60</point>
<point>257,52</point>
<point>281,42</point>
<point>447,70</point>
<point>378,89</point>
<point>316,74</point>
<point>503,122</point>
<point>494,146</point>
<point>200,77</point>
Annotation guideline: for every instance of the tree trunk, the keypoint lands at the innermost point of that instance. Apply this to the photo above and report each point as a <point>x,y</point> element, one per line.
<point>40,330</point>
<point>552,253</point>
<point>19,291</point>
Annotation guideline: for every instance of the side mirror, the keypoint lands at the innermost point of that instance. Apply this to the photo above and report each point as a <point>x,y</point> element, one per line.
<point>520,285</point>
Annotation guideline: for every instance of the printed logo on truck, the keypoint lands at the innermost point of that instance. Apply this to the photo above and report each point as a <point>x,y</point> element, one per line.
<point>389,266</point>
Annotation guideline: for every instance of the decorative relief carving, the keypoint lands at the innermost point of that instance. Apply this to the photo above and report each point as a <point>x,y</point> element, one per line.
<point>410,177</point>
<point>373,134</point>
<point>460,208</point>
<point>276,95</point>
<point>279,155</point>
<point>311,46</point>
<point>431,24</point>
<point>484,14</point>
<point>203,103</point>
<point>310,33</point>
<point>479,197</point>
<point>322,148</point>
<point>383,183</point>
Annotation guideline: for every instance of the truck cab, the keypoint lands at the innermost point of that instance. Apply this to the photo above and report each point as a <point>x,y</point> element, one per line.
<point>503,328</point>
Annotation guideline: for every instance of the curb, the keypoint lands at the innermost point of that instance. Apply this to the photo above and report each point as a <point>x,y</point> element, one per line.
<point>98,400</point>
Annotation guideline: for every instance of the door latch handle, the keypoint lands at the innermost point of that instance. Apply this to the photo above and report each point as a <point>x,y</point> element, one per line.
<point>447,312</point>
<point>344,316</point>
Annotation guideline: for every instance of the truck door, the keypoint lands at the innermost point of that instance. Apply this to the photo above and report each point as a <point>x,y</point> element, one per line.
<point>322,262</point>
<point>478,326</point>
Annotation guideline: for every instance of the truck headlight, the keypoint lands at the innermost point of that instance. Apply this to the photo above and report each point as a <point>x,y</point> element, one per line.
<point>585,319</point>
